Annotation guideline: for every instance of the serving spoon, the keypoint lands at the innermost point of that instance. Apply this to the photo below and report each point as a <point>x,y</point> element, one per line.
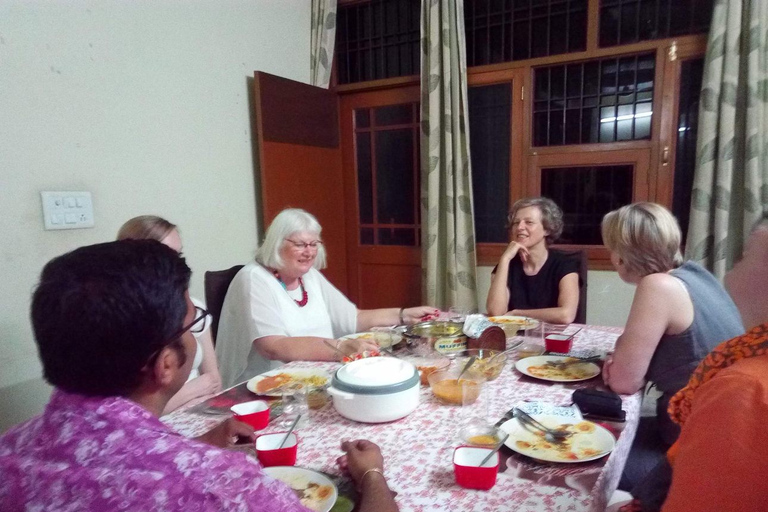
<point>466,367</point>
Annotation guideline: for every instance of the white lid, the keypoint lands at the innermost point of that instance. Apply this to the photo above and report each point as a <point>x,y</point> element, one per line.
<point>376,372</point>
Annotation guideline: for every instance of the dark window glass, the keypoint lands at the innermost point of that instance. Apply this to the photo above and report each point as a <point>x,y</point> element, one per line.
<point>364,177</point>
<point>508,30</point>
<point>490,111</point>
<point>691,74</point>
<point>386,156</point>
<point>395,114</point>
<point>604,100</point>
<point>585,195</point>
<point>377,39</point>
<point>630,21</point>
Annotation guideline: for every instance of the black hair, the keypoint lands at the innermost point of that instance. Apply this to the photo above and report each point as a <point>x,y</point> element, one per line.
<point>101,311</point>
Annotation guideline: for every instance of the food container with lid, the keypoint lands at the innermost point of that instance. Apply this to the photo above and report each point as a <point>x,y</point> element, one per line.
<point>443,337</point>
<point>375,390</point>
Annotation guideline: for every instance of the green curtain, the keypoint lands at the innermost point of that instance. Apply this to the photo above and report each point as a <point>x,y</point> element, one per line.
<point>730,189</point>
<point>448,232</point>
<point>323,37</point>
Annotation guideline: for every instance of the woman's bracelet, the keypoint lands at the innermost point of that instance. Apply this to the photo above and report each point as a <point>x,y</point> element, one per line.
<point>372,470</point>
<point>402,319</point>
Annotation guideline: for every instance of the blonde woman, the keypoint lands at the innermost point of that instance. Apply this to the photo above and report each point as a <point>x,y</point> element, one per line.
<point>204,379</point>
<point>680,312</point>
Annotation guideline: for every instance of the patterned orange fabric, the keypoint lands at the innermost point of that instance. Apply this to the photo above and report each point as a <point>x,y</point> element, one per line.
<point>753,343</point>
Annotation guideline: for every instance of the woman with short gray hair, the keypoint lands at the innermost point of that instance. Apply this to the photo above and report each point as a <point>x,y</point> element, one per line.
<point>280,308</point>
<point>531,279</point>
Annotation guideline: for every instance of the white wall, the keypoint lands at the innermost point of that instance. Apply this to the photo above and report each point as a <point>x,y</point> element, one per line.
<point>608,297</point>
<point>145,104</point>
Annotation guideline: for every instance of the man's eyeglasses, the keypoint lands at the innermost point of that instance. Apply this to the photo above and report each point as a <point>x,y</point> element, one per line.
<point>196,326</point>
<point>305,245</point>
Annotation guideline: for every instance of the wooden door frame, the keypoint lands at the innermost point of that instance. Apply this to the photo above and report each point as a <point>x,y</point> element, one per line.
<point>357,254</point>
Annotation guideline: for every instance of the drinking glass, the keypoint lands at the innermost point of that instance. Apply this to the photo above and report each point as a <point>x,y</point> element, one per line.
<point>294,398</point>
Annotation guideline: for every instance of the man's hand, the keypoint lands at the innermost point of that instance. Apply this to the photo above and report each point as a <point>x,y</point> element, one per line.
<point>226,435</point>
<point>361,455</point>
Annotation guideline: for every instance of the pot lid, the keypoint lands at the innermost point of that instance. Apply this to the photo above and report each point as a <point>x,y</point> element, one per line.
<point>376,375</point>
<point>435,328</point>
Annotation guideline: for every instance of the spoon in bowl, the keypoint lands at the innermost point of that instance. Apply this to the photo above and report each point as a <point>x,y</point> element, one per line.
<point>494,450</point>
<point>466,367</point>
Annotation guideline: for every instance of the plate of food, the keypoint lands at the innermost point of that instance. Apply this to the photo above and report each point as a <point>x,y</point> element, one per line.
<point>516,323</point>
<point>384,338</point>
<point>270,383</point>
<point>557,368</point>
<point>314,490</point>
<point>588,441</point>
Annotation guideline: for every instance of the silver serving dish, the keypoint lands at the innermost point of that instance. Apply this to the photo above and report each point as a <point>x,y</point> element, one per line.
<point>441,336</point>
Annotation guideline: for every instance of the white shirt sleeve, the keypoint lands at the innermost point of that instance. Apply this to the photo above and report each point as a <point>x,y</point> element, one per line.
<point>342,311</point>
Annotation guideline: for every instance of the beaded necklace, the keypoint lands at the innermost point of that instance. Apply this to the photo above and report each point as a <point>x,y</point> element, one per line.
<point>304,297</point>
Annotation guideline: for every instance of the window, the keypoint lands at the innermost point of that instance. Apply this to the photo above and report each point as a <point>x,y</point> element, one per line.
<point>630,21</point>
<point>510,30</point>
<point>489,132</point>
<point>603,100</point>
<point>386,154</point>
<point>377,39</point>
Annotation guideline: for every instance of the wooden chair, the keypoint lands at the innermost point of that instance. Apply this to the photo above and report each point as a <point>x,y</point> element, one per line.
<point>216,286</point>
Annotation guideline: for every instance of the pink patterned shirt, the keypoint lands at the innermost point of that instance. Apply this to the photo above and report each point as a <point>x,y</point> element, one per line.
<point>107,454</point>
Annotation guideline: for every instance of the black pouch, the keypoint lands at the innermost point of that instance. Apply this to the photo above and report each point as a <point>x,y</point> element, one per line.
<point>599,404</point>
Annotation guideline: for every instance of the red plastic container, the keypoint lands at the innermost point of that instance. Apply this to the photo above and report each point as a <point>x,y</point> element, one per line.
<point>269,454</point>
<point>561,343</point>
<point>467,469</point>
<point>255,413</point>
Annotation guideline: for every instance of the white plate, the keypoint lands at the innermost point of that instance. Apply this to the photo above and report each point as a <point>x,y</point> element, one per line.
<point>373,336</point>
<point>295,373</point>
<point>521,322</point>
<point>575,373</point>
<point>580,447</point>
<point>299,478</point>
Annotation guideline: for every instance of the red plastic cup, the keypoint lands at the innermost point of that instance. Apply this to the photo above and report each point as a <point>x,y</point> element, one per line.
<point>255,413</point>
<point>561,343</point>
<point>269,453</point>
<point>469,473</point>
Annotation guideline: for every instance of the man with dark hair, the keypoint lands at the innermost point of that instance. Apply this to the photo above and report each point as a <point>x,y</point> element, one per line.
<point>112,324</point>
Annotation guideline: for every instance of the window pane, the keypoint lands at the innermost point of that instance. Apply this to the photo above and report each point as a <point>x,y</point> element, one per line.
<point>565,97</point>
<point>585,195</point>
<point>366,236</point>
<point>630,21</point>
<point>687,129</point>
<point>394,176</point>
<point>364,177</point>
<point>397,236</point>
<point>490,111</point>
<point>504,31</point>
<point>395,114</point>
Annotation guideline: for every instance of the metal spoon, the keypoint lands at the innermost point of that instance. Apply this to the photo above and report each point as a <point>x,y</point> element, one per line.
<point>343,355</point>
<point>293,425</point>
<point>466,367</point>
<point>553,436</point>
<point>494,450</point>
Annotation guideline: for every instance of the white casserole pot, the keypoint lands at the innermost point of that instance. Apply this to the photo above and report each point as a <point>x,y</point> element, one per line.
<point>375,389</point>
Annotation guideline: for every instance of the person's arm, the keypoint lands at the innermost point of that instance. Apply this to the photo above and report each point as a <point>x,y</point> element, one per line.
<point>365,464</point>
<point>367,318</point>
<point>721,457</point>
<point>567,303</point>
<point>309,348</point>
<point>656,299</point>
<point>209,381</point>
<point>498,294</point>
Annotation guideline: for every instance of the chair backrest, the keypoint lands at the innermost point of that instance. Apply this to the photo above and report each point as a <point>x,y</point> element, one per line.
<point>581,312</point>
<point>216,286</point>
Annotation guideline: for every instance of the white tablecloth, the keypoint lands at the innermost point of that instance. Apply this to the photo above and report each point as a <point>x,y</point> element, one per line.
<point>418,449</point>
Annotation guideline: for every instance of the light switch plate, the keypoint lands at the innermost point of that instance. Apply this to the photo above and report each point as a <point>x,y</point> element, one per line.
<point>67,210</point>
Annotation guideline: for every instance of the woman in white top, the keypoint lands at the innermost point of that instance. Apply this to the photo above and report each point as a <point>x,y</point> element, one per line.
<point>281,308</point>
<point>204,379</point>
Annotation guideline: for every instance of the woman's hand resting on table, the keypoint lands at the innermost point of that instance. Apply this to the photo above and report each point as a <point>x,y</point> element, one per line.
<point>356,346</point>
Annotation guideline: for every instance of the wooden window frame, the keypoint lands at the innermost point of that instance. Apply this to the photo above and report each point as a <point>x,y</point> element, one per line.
<point>661,148</point>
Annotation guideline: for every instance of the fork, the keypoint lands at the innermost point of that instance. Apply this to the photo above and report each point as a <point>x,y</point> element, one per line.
<point>507,416</point>
<point>564,364</point>
<point>553,436</point>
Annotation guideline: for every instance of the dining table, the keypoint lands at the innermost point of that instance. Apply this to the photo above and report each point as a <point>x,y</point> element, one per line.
<point>418,449</point>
